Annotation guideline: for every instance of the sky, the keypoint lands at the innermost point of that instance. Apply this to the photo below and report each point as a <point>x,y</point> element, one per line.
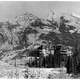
<point>11,9</point>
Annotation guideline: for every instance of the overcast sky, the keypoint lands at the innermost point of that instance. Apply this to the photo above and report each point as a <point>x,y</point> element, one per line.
<point>11,9</point>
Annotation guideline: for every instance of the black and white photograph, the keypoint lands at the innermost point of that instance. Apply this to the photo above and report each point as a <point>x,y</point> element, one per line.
<point>40,39</point>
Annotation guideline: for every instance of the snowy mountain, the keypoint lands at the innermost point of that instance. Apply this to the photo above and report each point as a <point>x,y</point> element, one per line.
<point>30,30</point>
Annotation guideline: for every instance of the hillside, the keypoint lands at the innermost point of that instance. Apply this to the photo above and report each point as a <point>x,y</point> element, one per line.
<point>17,39</point>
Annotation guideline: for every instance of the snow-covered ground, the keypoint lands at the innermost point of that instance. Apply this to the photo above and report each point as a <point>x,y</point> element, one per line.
<point>7,71</point>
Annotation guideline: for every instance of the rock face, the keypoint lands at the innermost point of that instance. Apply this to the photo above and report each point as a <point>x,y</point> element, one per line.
<point>29,30</point>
